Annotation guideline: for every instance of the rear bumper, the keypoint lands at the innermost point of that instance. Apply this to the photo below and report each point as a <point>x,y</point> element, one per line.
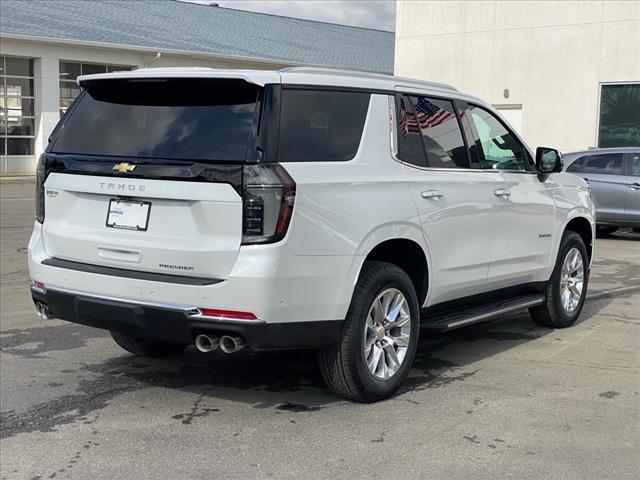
<point>269,281</point>
<point>176,324</point>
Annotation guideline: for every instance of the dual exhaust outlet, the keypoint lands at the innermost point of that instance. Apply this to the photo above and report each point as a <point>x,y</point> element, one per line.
<point>227,343</point>
<point>43,311</point>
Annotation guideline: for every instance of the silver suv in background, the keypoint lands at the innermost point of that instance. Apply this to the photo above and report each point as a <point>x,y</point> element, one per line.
<point>613,174</point>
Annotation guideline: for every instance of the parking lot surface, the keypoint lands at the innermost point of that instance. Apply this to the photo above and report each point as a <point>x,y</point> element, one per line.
<point>505,399</point>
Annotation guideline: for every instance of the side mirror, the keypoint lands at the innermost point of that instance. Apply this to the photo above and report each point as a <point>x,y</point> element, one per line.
<point>548,160</point>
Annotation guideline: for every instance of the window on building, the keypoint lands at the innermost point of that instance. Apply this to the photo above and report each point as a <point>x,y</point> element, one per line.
<point>17,118</point>
<point>70,71</point>
<point>619,115</point>
<point>635,164</point>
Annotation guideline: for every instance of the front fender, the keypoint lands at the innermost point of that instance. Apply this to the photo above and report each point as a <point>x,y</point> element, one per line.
<point>566,216</point>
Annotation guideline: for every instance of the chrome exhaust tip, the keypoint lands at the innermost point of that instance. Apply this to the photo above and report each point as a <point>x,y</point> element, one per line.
<point>229,344</point>
<point>206,344</point>
<point>43,311</point>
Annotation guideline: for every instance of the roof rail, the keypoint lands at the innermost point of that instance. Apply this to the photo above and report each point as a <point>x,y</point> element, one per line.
<point>363,74</point>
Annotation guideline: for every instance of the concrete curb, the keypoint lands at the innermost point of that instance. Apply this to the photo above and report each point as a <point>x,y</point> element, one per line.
<point>17,178</point>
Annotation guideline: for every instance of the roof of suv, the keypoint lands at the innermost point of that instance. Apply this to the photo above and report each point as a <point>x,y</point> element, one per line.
<point>294,75</point>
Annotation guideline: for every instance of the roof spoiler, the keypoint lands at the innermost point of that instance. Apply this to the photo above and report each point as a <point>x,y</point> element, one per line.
<point>256,77</point>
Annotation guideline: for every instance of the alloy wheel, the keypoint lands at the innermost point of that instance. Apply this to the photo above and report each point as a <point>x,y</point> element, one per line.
<point>572,280</point>
<point>387,333</point>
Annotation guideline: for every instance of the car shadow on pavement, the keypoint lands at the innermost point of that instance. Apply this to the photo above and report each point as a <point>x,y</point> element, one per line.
<point>291,379</point>
<point>267,379</point>
<point>622,234</point>
<point>286,381</point>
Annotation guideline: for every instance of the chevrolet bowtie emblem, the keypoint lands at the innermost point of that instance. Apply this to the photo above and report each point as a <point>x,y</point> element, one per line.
<point>123,167</point>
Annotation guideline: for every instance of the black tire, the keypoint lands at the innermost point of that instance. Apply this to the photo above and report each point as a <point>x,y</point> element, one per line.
<point>604,230</point>
<point>551,313</point>
<point>146,348</point>
<point>343,365</point>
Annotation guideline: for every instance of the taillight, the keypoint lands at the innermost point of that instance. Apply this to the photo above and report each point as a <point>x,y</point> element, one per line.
<point>268,197</point>
<point>41,174</point>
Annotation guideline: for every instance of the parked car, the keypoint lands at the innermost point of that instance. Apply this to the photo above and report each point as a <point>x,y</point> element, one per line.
<point>613,174</point>
<point>305,208</point>
<point>622,135</point>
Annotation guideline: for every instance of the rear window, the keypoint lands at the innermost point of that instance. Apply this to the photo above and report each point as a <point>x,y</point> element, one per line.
<point>321,125</point>
<point>191,119</point>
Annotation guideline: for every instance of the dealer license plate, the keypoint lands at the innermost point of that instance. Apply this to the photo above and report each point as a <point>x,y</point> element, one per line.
<point>128,214</point>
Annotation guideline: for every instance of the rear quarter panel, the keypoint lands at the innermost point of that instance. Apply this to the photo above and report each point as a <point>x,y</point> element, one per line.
<point>345,209</point>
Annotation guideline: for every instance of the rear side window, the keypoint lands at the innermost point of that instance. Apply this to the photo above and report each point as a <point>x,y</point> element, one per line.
<point>607,164</point>
<point>195,119</point>
<point>429,134</point>
<point>321,125</point>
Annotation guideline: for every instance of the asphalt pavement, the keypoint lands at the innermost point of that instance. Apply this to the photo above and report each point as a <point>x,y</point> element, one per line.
<point>507,399</point>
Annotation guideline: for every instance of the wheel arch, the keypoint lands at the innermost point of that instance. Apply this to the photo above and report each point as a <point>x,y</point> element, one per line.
<point>407,254</point>
<point>583,227</point>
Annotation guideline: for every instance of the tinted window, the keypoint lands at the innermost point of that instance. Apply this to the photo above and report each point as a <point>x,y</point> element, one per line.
<point>318,125</point>
<point>619,116</point>
<point>577,165</point>
<point>501,148</point>
<point>607,163</point>
<point>201,119</point>
<point>435,123</point>
<point>410,147</point>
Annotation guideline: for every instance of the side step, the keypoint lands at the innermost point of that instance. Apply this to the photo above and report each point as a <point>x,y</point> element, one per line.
<point>454,318</point>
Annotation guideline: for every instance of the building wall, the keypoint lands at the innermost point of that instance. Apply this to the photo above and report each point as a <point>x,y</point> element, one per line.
<point>551,56</point>
<point>47,57</point>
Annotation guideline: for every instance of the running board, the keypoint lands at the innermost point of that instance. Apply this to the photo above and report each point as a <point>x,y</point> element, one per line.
<point>451,319</point>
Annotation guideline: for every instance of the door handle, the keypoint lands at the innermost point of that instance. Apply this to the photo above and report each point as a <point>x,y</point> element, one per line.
<point>502,192</point>
<point>432,194</point>
<point>635,186</point>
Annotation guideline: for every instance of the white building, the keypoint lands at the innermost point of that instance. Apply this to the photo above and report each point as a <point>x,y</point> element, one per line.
<point>563,73</point>
<point>46,44</point>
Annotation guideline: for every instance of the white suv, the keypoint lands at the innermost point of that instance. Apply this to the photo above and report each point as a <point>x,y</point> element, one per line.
<point>303,208</point>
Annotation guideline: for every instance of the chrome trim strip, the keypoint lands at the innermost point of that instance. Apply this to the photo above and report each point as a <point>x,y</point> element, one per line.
<point>168,306</point>
<point>243,321</point>
<point>484,316</point>
<point>38,290</point>
<point>189,312</point>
